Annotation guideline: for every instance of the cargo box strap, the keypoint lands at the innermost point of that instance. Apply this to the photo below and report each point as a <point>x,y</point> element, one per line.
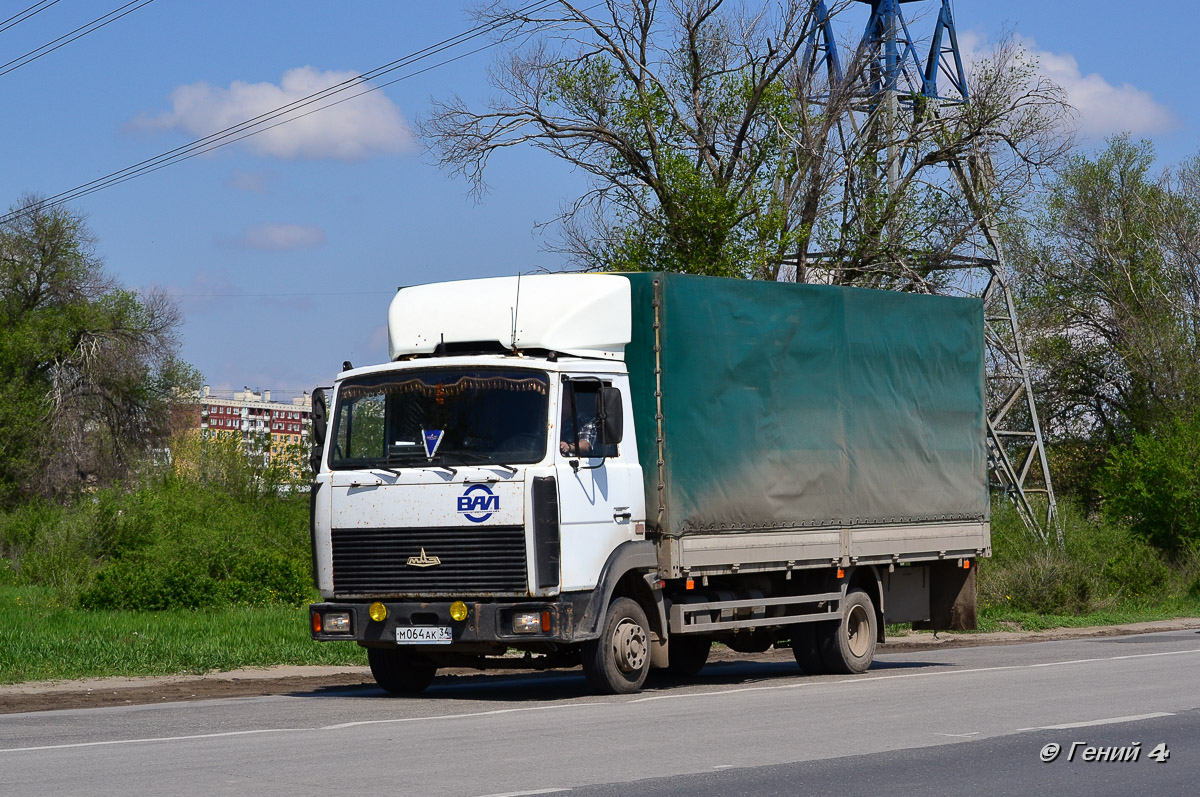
<point>658,410</point>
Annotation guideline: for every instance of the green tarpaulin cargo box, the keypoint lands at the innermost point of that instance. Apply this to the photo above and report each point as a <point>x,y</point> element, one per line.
<point>852,420</point>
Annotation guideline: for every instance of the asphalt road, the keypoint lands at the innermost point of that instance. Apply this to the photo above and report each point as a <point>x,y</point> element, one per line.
<point>955,721</point>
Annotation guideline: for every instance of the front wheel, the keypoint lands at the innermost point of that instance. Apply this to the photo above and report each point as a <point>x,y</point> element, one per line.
<point>849,647</point>
<point>618,661</point>
<point>400,672</point>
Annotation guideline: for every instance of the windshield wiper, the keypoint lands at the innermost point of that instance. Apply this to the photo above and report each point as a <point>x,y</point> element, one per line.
<point>398,459</point>
<point>471,458</point>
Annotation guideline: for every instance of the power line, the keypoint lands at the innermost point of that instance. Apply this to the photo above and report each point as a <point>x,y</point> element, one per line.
<point>232,134</point>
<point>183,156</point>
<point>21,16</point>
<point>247,128</point>
<point>62,41</point>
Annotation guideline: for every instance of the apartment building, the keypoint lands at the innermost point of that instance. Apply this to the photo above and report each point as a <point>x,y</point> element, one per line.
<point>254,418</point>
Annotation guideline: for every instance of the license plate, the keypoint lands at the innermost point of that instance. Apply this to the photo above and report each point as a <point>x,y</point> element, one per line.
<point>424,635</point>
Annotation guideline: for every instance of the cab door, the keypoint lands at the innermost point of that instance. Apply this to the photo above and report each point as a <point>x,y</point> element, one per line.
<point>601,503</point>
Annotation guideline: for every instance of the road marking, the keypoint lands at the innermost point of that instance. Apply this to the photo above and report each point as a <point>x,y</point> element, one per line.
<point>648,699</point>
<point>1090,723</point>
<point>524,793</point>
<point>938,674</point>
<point>108,742</point>
<point>341,726</point>
<point>959,735</point>
<point>395,720</point>
<point>723,766</point>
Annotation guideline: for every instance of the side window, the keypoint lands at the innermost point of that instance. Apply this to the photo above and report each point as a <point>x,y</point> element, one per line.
<point>578,423</point>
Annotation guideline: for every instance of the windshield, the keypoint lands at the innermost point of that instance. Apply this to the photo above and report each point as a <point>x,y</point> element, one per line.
<point>465,416</point>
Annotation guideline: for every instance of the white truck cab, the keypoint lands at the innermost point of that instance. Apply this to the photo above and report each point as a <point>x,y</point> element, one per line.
<point>474,468</point>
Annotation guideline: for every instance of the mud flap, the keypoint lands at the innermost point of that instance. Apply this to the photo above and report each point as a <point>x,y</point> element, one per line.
<point>951,598</point>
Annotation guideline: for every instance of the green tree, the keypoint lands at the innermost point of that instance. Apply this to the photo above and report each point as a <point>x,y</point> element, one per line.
<point>1153,484</point>
<point>88,370</point>
<point>1110,289</point>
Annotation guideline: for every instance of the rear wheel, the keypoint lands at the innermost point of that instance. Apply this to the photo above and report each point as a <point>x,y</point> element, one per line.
<point>400,672</point>
<point>849,647</point>
<point>618,661</point>
<point>806,648</point>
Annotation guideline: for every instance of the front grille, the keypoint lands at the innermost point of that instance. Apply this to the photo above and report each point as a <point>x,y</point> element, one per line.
<point>473,560</point>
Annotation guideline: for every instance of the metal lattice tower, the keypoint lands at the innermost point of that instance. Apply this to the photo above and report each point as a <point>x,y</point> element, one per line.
<point>889,78</point>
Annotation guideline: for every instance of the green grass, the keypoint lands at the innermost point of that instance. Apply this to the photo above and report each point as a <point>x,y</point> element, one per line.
<point>1002,619</point>
<point>43,641</point>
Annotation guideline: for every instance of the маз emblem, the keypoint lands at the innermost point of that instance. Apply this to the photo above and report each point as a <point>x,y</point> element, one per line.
<point>423,560</point>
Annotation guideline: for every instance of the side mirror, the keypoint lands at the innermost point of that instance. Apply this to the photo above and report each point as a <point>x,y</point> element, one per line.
<point>610,417</point>
<point>320,426</point>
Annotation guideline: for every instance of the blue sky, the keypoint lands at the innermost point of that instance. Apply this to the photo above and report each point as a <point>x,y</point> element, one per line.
<point>285,249</point>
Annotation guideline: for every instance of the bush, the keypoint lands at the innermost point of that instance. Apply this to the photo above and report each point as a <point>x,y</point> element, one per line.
<point>1153,484</point>
<point>1099,564</point>
<point>258,579</point>
<point>184,537</point>
<point>146,586</point>
<point>1137,571</point>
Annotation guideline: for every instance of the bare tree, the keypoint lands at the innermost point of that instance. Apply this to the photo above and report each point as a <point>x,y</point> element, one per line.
<point>682,113</point>
<point>897,216</point>
<point>716,147</point>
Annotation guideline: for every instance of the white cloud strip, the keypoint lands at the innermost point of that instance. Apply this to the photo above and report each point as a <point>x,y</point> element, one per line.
<point>1103,108</point>
<point>357,129</point>
<point>281,237</point>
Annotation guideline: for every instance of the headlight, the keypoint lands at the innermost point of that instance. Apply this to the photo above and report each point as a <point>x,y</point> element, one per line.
<point>378,612</point>
<point>532,622</point>
<point>336,622</point>
<point>527,622</point>
<point>458,611</point>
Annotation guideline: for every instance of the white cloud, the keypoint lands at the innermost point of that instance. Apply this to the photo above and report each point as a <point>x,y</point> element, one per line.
<point>250,182</point>
<point>353,130</point>
<point>281,237</point>
<point>1103,108</point>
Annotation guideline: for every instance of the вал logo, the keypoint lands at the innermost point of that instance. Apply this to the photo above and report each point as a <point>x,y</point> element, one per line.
<point>478,503</point>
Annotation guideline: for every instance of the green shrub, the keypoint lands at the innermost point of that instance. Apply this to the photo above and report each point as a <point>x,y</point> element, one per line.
<point>266,577</point>
<point>211,534</point>
<point>146,586</point>
<point>260,578</point>
<point>1136,571</point>
<point>1101,564</point>
<point>1045,581</point>
<point>1153,484</point>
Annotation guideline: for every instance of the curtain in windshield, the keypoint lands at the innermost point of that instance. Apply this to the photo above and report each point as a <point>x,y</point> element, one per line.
<point>466,416</point>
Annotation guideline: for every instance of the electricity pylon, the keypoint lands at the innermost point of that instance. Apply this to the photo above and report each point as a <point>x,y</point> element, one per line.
<point>887,78</point>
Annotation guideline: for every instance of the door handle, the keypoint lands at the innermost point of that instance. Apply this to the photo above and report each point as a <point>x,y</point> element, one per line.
<point>619,516</point>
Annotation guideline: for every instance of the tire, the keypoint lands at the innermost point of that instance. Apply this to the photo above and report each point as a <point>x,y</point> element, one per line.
<point>618,661</point>
<point>687,655</point>
<point>849,647</point>
<point>400,672</point>
<point>806,647</point>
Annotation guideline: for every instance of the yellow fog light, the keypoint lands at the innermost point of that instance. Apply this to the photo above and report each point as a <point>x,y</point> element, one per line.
<point>378,612</point>
<point>458,610</point>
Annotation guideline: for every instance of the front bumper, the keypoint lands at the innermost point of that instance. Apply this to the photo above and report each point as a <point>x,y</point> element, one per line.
<point>486,622</point>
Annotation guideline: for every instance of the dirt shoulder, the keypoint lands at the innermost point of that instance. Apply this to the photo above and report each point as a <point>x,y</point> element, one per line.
<point>97,692</point>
